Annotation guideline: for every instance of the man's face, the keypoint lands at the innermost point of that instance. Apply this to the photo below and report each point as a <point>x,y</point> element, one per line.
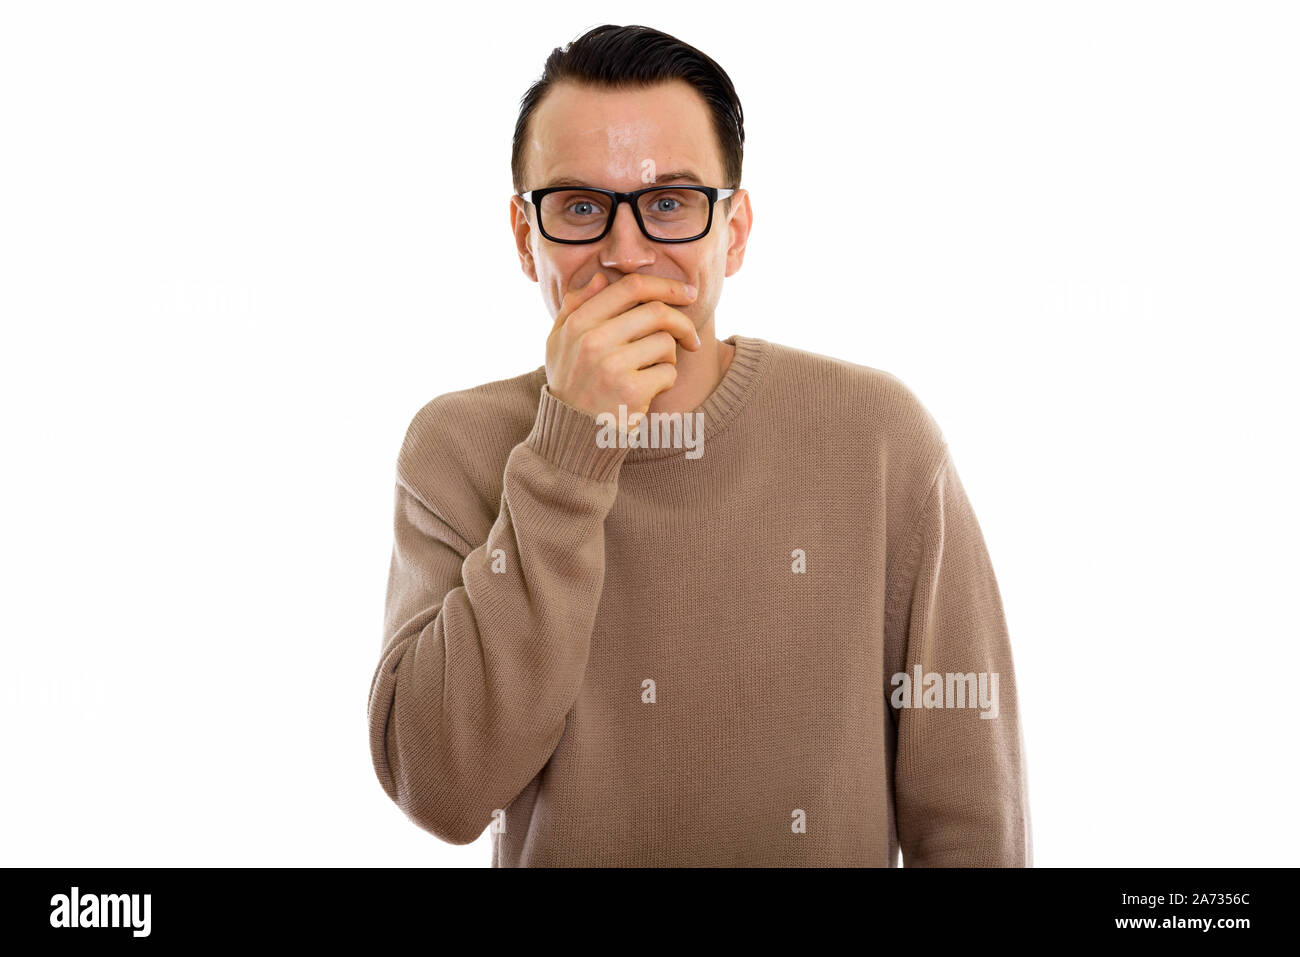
<point>584,136</point>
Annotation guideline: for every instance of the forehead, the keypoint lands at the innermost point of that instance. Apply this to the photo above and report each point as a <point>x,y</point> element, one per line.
<point>604,137</point>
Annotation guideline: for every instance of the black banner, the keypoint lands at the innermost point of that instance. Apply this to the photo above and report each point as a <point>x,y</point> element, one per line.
<point>329,906</point>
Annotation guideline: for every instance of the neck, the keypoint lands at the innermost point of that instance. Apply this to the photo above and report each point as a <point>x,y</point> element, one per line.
<point>698,373</point>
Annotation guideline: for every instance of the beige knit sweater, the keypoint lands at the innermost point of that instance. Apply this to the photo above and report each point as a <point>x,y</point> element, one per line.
<point>617,656</point>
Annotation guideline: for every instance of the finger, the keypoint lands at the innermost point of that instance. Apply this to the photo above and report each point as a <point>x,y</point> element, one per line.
<point>650,350</point>
<point>628,292</point>
<point>577,295</point>
<point>654,380</point>
<point>646,319</point>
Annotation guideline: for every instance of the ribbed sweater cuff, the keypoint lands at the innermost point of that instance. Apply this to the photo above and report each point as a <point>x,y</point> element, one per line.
<point>566,437</point>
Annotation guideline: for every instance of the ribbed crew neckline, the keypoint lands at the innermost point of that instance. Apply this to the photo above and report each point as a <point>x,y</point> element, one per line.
<point>728,398</point>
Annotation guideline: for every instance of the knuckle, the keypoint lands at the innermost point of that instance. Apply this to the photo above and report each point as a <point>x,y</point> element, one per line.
<point>607,365</point>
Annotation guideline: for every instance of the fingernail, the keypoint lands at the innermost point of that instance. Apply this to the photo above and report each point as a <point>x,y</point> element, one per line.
<point>690,290</point>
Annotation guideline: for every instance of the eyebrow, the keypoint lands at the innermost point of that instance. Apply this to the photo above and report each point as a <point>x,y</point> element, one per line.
<point>676,176</point>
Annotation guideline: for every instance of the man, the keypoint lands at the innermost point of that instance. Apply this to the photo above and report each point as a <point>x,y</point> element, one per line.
<point>733,644</point>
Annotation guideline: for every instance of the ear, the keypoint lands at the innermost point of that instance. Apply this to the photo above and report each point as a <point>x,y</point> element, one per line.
<point>523,231</point>
<point>739,222</point>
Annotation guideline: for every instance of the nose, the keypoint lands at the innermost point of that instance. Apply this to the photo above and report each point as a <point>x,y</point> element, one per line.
<point>625,247</point>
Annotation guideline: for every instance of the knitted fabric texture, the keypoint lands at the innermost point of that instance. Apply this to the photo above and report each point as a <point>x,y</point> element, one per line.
<point>617,656</point>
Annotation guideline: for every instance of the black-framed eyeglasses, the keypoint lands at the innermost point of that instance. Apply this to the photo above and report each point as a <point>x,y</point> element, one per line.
<point>585,214</point>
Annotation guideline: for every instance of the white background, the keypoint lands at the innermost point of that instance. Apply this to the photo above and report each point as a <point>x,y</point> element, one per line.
<point>242,243</point>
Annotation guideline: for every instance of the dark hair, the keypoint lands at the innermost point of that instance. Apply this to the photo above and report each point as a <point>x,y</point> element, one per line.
<point>629,57</point>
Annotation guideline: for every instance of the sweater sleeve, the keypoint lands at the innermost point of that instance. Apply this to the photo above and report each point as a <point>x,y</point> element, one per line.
<point>960,782</point>
<point>486,642</point>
